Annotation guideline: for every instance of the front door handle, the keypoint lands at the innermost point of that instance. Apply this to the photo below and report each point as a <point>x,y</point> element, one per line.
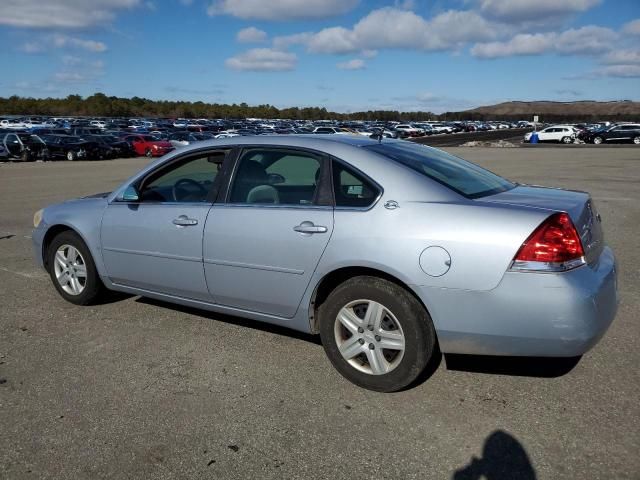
<point>184,221</point>
<point>309,227</point>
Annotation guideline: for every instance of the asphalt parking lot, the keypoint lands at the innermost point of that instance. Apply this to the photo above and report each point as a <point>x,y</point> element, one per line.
<point>141,389</point>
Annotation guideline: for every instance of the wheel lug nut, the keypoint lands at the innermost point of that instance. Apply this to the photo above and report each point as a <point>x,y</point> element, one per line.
<point>361,341</point>
<point>360,330</point>
<point>372,346</point>
<point>377,338</point>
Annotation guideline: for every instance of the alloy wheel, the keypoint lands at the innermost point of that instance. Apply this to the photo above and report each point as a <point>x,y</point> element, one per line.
<point>369,337</point>
<point>70,270</point>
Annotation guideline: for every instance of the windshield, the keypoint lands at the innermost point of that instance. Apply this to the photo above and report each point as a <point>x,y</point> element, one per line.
<point>461,176</point>
<point>28,138</point>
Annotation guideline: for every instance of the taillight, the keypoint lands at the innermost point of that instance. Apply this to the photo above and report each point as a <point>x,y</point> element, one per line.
<point>554,246</point>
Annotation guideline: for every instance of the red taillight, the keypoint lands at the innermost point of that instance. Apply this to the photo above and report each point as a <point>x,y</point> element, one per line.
<point>554,241</point>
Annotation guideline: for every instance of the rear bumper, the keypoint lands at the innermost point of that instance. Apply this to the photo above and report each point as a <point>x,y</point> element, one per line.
<point>529,314</point>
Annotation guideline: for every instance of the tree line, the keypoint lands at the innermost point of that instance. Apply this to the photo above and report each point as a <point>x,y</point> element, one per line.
<point>101,105</point>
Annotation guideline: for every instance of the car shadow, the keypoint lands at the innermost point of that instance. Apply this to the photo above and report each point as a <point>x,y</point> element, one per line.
<point>503,458</point>
<point>543,367</point>
<point>240,321</point>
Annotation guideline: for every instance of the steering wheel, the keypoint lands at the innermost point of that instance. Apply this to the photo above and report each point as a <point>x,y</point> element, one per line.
<point>180,184</point>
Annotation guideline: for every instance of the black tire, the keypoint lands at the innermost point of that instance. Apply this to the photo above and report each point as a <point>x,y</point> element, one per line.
<point>94,289</point>
<point>71,156</point>
<point>566,140</point>
<point>598,140</point>
<point>417,327</point>
<point>148,153</point>
<point>636,140</point>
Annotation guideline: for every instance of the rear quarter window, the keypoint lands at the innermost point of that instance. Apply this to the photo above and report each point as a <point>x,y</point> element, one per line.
<point>461,176</point>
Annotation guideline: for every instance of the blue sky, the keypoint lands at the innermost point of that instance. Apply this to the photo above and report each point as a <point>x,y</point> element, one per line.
<point>345,55</point>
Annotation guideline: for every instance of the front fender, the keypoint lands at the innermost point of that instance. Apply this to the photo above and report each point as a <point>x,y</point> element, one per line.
<point>83,216</point>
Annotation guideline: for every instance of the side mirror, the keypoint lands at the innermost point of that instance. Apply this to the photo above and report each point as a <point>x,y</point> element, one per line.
<point>131,194</point>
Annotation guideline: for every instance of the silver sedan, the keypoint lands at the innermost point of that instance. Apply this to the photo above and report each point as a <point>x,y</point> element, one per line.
<point>388,249</point>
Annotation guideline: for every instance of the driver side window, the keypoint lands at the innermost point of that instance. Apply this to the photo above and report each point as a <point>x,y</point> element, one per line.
<point>188,181</point>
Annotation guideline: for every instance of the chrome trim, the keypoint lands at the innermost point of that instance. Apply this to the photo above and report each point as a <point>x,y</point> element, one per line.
<point>268,268</point>
<point>152,254</point>
<point>546,267</point>
<point>116,201</point>
<point>274,206</point>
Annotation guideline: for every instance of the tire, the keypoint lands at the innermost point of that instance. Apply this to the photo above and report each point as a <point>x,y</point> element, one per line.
<point>403,318</point>
<point>597,140</point>
<point>92,289</point>
<point>636,140</point>
<point>71,156</point>
<point>148,153</point>
<point>566,140</point>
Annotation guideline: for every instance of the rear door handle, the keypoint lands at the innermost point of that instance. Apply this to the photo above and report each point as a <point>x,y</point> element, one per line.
<point>184,221</point>
<point>309,227</point>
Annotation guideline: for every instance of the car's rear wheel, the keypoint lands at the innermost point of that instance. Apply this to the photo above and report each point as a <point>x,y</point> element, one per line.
<point>148,153</point>
<point>636,140</point>
<point>72,269</point>
<point>71,155</point>
<point>567,140</point>
<point>376,334</point>
<point>597,140</point>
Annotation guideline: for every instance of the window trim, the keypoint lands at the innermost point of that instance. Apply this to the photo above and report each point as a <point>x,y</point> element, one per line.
<point>215,188</point>
<point>225,193</point>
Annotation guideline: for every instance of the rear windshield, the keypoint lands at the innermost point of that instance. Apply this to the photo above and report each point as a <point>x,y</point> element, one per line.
<point>461,176</point>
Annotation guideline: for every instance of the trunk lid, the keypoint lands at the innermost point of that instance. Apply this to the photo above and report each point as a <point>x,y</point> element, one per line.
<point>578,205</point>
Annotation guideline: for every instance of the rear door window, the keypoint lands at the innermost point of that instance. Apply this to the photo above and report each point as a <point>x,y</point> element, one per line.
<point>277,177</point>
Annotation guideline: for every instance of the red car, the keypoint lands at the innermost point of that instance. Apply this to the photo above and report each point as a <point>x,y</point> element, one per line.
<point>148,145</point>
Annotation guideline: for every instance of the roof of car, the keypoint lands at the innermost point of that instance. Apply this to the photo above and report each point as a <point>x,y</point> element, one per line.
<point>308,140</point>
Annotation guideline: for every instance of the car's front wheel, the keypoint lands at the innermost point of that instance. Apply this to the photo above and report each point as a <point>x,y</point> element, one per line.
<point>71,155</point>
<point>636,140</point>
<point>597,140</point>
<point>72,269</point>
<point>567,140</point>
<point>376,334</point>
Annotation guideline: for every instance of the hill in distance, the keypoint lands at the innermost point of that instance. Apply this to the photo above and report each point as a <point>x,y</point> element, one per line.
<point>578,109</point>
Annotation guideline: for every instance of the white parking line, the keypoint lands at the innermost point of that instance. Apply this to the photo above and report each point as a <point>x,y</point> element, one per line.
<point>25,274</point>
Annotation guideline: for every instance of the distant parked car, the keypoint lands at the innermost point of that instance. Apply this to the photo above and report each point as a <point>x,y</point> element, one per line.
<point>330,131</point>
<point>627,133</point>
<point>555,133</point>
<point>25,147</point>
<point>112,146</point>
<point>67,147</point>
<point>148,145</point>
<point>11,123</point>
<point>441,128</point>
<point>406,130</point>
<point>182,139</point>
